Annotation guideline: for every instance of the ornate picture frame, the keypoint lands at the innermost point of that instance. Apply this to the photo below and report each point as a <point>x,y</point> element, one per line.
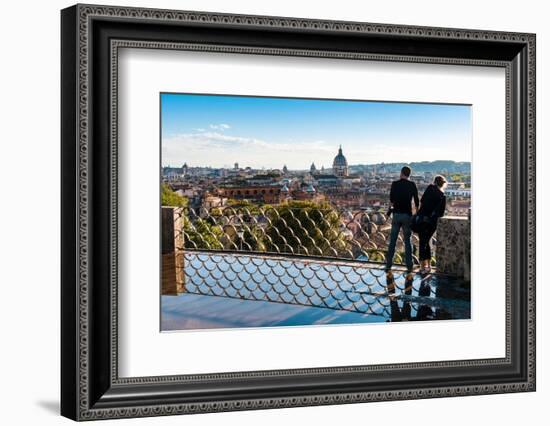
<point>91,37</point>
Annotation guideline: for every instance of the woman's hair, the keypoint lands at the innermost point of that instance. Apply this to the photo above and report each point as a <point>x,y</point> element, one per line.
<point>440,181</point>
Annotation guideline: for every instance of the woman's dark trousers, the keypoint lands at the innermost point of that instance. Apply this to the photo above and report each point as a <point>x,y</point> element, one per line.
<point>424,236</point>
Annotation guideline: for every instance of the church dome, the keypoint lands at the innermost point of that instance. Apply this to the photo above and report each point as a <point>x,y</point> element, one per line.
<point>340,164</point>
<point>340,160</point>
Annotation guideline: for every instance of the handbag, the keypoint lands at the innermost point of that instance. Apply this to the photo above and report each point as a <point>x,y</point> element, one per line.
<point>418,220</point>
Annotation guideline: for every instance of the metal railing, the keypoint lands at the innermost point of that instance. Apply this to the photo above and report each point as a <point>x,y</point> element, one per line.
<point>309,257</point>
<point>352,287</point>
<point>309,231</point>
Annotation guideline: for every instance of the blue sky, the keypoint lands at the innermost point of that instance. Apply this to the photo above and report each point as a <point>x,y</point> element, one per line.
<point>214,130</point>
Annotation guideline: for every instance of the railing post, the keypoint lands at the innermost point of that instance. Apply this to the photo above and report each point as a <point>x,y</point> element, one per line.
<point>172,244</point>
<point>453,246</point>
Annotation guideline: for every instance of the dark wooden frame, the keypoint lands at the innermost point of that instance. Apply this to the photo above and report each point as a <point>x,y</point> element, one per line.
<point>90,386</point>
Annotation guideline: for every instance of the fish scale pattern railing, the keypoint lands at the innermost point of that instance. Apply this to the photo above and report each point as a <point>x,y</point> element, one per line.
<point>352,287</point>
<point>316,232</point>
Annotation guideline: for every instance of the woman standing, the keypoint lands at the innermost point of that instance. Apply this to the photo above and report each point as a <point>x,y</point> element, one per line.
<point>432,207</point>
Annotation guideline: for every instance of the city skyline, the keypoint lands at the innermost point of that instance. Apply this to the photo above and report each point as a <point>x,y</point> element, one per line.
<point>306,169</point>
<point>267,133</point>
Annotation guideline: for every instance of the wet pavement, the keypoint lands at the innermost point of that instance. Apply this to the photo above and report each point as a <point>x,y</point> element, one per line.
<point>238,290</point>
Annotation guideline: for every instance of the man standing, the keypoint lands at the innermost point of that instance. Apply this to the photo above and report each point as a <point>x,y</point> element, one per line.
<point>402,193</point>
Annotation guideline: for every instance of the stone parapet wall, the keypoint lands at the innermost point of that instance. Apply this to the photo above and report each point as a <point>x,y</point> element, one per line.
<point>172,243</point>
<point>453,246</point>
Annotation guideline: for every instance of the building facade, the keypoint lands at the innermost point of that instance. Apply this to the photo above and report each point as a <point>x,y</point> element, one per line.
<point>269,194</point>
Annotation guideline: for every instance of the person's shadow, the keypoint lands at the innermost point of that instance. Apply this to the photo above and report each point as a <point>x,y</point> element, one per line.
<point>424,312</point>
<point>399,314</point>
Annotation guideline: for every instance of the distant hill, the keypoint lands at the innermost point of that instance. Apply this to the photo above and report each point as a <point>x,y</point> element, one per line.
<point>438,166</point>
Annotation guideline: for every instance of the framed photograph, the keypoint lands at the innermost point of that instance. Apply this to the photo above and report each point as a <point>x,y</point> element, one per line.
<point>263,212</point>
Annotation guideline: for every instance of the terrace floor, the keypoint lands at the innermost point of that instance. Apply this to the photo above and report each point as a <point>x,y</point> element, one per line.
<point>243,290</point>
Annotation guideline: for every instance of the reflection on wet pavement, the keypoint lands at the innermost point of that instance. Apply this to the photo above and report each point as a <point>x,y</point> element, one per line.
<point>235,290</point>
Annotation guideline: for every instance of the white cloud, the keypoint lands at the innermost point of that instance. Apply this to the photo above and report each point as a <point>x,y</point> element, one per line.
<point>210,140</point>
<point>218,149</point>
<point>221,126</point>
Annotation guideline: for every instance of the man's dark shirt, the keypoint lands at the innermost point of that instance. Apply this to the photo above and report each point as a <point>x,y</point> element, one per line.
<point>402,192</point>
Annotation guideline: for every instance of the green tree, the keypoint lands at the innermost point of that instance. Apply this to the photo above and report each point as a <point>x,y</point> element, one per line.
<point>170,198</point>
<point>243,207</point>
<point>305,227</point>
<point>246,231</point>
<point>201,234</point>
